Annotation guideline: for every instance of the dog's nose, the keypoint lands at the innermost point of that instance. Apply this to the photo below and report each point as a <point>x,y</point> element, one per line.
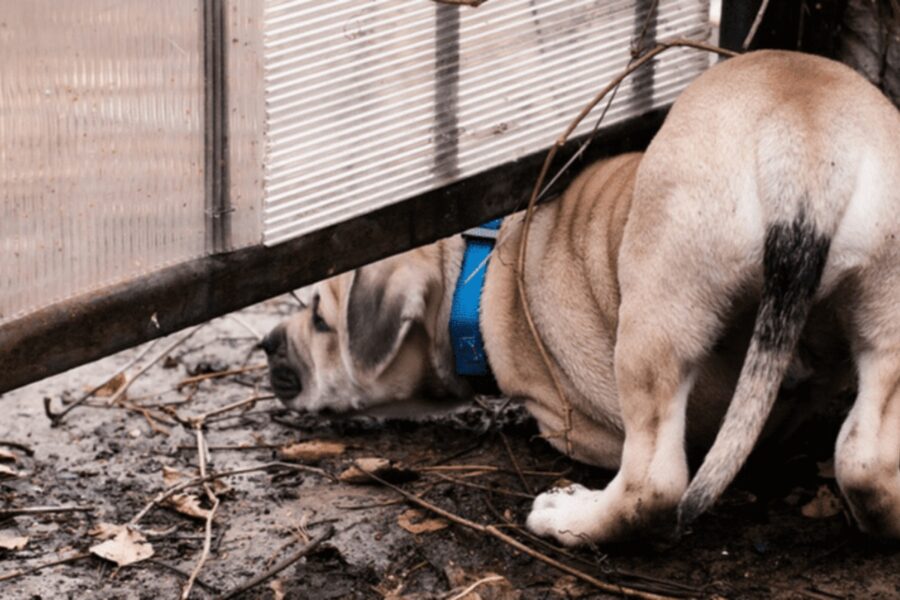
<point>286,382</point>
<point>272,342</point>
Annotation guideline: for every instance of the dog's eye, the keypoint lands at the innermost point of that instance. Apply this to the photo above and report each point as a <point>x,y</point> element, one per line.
<point>319,323</point>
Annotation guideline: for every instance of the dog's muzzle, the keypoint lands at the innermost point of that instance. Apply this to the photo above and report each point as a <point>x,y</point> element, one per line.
<point>285,380</point>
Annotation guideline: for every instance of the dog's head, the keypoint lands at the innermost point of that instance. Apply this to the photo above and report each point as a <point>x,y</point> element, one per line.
<point>361,339</point>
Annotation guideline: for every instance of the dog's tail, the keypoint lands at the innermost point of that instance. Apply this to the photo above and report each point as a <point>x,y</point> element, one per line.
<point>793,260</point>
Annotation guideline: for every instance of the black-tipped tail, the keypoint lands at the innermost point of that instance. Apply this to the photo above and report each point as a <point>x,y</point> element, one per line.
<point>793,261</point>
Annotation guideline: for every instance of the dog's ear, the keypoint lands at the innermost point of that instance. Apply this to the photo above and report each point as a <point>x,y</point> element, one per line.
<point>383,305</point>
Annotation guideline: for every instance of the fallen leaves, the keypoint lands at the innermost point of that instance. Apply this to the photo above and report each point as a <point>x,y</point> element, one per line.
<point>413,521</point>
<point>12,542</point>
<point>311,451</point>
<point>127,547</point>
<point>186,503</point>
<point>824,505</point>
<point>112,386</point>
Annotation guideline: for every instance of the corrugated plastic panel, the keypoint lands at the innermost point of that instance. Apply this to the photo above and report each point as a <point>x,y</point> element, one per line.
<point>371,102</point>
<point>101,145</point>
<point>246,119</point>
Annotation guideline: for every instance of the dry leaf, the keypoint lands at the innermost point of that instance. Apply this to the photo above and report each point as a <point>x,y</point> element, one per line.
<point>187,504</point>
<point>357,472</point>
<point>12,542</point>
<point>126,548</point>
<point>7,456</point>
<point>824,505</point>
<point>412,521</point>
<point>277,587</point>
<point>111,387</point>
<point>105,531</point>
<point>8,472</point>
<point>173,476</point>
<point>312,451</point>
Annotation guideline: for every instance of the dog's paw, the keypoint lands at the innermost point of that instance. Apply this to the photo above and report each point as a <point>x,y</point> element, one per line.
<point>571,515</point>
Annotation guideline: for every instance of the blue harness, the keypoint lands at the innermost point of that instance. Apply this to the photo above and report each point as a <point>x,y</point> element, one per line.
<point>465,331</point>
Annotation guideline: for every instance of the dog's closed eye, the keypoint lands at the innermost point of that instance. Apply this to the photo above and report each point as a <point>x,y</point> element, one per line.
<point>319,324</point>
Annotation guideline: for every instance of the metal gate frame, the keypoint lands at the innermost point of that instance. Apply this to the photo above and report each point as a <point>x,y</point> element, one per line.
<point>93,325</point>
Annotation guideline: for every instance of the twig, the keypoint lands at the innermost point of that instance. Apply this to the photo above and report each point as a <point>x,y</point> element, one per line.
<point>476,585</point>
<point>128,382</point>
<point>237,447</point>
<point>515,464</point>
<point>29,571</point>
<point>486,469</point>
<point>673,588</point>
<point>207,530</point>
<point>217,375</point>
<point>532,202</point>
<point>487,488</point>
<point>229,407</point>
<point>5,513</point>
<point>18,446</point>
<point>177,571</point>
<point>56,418</point>
<point>256,580</point>
<point>240,321</point>
<point>167,493</point>
<point>495,532</point>
<point>756,23</point>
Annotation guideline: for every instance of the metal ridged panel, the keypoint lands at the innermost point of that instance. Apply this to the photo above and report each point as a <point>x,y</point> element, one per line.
<point>371,102</point>
<point>101,145</point>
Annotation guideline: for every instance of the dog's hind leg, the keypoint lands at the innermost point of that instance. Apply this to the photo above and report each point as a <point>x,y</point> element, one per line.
<point>672,310</point>
<point>867,458</point>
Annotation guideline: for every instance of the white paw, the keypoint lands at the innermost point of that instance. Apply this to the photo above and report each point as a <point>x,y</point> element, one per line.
<point>572,515</point>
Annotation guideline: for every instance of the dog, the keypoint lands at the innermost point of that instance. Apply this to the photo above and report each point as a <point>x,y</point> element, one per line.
<point>676,292</point>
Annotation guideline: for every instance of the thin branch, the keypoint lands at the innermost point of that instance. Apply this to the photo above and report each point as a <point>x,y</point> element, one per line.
<point>30,570</point>
<point>216,375</point>
<point>756,23</point>
<point>56,418</point>
<point>515,464</point>
<point>207,530</point>
<point>256,580</point>
<point>167,493</point>
<point>532,202</point>
<point>510,541</point>
<point>177,571</point>
<point>487,488</point>
<point>5,513</point>
<point>476,585</point>
<point>240,321</point>
<point>486,469</point>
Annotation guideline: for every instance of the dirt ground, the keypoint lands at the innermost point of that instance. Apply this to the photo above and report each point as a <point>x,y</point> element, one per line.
<point>769,537</point>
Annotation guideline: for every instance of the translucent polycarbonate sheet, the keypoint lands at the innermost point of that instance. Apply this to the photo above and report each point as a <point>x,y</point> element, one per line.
<point>246,119</point>
<point>101,145</point>
<point>372,102</point>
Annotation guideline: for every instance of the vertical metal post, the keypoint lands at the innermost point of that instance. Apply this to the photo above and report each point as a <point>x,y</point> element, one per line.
<point>644,36</point>
<point>218,202</point>
<point>446,92</point>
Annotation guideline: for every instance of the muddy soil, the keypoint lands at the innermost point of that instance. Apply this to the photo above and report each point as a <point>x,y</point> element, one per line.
<point>756,543</point>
